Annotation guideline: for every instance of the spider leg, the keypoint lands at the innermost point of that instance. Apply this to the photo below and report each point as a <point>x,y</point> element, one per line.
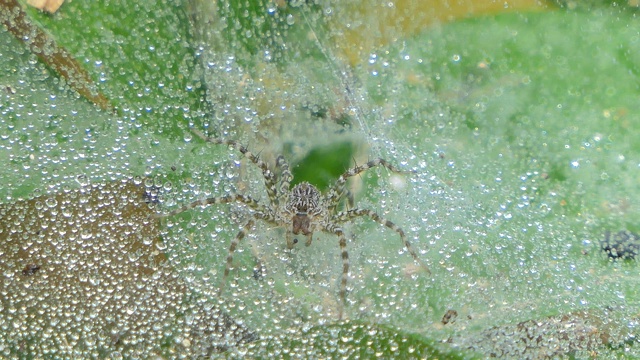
<point>269,177</point>
<point>350,200</point>
<point>261,213</point>
<point>345,267</point>
<point>232,248</point>
<point>217,200</point>
<point>338,190</point>
<point>285,177</point>
<point>346,216</point>
<point>259,270</point>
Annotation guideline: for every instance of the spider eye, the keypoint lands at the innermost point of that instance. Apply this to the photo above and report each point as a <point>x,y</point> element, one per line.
<point>295,241</point>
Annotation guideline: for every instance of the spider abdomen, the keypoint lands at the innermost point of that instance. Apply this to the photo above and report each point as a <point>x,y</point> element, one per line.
<point>301,224</point>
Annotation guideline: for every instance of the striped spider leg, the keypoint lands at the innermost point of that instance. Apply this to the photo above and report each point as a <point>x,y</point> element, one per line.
<point>301,210</point>
<point>333,198</point>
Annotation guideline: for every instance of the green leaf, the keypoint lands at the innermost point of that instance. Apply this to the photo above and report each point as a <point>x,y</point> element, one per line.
<point>534,133</point>
<point>521,127</point>
<point>141,55</point>
<point>353,340</point>
<point>323,165</point>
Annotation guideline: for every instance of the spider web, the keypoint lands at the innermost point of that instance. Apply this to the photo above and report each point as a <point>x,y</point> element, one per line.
<point>465,216</point>
<point>509,203</point>
<point>319,81</point>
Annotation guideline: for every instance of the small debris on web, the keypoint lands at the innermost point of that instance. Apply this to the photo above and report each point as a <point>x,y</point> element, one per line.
<point>621,245</point>
<point>449,317</point>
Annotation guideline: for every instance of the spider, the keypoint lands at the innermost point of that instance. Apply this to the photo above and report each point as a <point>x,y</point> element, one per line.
<point>301,210</point>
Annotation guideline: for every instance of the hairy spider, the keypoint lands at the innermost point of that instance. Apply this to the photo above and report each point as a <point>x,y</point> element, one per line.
<point>302,209</point>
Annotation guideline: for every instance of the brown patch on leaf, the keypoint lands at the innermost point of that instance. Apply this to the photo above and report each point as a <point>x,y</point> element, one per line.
<point>103,283</point>
<point>551,337</point>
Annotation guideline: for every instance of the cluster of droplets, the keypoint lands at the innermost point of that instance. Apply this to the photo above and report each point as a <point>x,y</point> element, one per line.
<point>580,333</point>
<point>82,275</point>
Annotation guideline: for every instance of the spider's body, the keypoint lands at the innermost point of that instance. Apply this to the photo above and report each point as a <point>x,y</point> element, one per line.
<point>306,212</point>
<point>301,210</point>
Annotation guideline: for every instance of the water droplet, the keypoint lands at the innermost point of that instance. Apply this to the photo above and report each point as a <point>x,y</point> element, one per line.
<point>290,19</point>
<point>51,202</point>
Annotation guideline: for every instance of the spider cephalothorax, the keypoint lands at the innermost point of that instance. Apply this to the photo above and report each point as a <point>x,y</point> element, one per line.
<point>301,210</point>
<point>304,199</point>
<point>305,209</point>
